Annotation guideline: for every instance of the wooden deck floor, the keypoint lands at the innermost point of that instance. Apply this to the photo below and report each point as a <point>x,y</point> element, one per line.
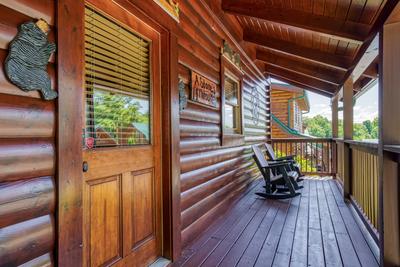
<point>314,229</point>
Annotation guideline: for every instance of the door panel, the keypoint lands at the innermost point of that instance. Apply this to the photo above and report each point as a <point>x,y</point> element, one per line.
<point>122,202</point>
<point>140,207</point>
<point>104,219</point>
<point>143,208</point>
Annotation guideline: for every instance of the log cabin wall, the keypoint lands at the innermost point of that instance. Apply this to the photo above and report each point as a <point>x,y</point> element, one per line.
<point>27,152</point>
<point>212,174</point>
<point>279,108</point>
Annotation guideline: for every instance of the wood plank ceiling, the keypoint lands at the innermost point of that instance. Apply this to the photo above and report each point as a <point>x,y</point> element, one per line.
<point>314,44</point>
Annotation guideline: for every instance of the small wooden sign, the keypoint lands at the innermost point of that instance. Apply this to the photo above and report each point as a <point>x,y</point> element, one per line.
<point>203,90</point>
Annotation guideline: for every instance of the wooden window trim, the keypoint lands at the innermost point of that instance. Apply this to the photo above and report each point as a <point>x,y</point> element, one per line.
<point>229,138</point>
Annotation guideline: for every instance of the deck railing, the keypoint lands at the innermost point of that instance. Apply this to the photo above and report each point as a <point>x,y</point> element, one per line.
<point>363,179</point>
<point>328,156</point>
<point>339,148</point>
<point>315,155</point>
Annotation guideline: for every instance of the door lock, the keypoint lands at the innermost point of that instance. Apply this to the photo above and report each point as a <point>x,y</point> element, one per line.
<point>85,166</point>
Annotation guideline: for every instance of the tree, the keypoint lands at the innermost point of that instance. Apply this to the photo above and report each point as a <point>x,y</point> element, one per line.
<point>319,126</point>
<point>113,111</point>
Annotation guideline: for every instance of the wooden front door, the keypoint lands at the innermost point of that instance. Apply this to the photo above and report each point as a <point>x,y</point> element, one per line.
<point>122,187</point>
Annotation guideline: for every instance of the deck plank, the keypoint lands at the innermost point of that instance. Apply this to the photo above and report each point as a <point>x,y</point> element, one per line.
<point>331,249</point>
<point>300,242</point>
<point>266,256</point>
<point>233,256</point>
<point>361,246</point>
<point>250,255</point>
<point>228,241</point>
<point>315,247</point>
<point>202,246</point>
<point>282,255</point>
<point>315,229</point>
<point>346,249</point>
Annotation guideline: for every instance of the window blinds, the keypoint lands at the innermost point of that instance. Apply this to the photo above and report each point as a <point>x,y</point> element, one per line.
<point>231,91</point>
<point>117,83</point>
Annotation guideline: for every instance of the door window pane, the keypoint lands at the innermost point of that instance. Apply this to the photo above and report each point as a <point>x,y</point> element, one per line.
<point>118,88</point>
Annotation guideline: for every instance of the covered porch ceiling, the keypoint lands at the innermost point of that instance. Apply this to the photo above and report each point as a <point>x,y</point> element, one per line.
<point>316,44</point>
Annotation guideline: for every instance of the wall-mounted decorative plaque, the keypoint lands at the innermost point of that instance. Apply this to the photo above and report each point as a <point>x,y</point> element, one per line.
<point>182,95</point>
<point>29,53</point>
<point>203,90</point>
<point>255,105</point>
<point>170,6</point>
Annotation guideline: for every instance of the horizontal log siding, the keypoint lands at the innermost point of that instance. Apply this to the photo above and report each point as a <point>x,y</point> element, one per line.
<point>211,174</point>
<point>27,152</point>
<point>279,107</point>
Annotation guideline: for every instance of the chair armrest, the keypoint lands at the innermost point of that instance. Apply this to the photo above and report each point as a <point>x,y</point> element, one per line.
<point>274,164</point>
<point>291,157</point>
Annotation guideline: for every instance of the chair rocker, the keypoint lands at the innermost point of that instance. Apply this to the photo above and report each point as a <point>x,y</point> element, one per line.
<point>294,166</point>
<point>278,184</point>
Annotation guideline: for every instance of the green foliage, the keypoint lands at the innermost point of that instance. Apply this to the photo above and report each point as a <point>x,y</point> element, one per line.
<point>113,111</point>
<point>320,126</point>
<point>305,165</point>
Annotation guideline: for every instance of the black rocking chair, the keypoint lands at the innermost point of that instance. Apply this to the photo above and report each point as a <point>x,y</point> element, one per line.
<point>279,184</point>
<point>294,166</point>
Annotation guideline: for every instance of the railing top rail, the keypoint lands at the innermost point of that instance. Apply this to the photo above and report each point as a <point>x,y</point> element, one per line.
<point>301,140</point>
<point>355,143</point>
<point>338,140</point>
<point>392,148</point>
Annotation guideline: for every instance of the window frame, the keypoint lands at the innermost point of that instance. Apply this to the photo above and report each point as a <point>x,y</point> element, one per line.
<point>235,136</point>
<point>138,34</point>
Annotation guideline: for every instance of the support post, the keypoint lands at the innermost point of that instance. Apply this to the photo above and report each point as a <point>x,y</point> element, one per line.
<point>347,134</point>
<point>389,109</point>
<point>335,131</point>
<point>335,116</point>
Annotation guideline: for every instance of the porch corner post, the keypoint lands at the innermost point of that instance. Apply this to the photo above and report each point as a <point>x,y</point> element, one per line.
<point>335,131</point>
<point>335,116</point>
<point>389,136</point>
<point>347,134</point>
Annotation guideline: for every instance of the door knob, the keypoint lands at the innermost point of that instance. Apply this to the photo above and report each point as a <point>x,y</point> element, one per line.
<point>85,166</point>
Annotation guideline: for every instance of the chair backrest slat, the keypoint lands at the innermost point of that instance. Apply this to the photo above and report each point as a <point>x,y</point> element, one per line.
<point>270,151</point>
<point>259,156</point>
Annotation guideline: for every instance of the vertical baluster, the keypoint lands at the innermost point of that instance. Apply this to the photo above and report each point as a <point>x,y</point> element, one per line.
<point>301,154</point>
<point>286,148</point>
<point>306,156</point>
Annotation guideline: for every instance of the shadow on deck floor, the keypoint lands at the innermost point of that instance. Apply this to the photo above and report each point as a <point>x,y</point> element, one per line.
<point>314,229</point>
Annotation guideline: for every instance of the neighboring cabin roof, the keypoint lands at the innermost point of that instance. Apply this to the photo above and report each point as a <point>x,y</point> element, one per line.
<point>142,127</point>
<point>299,93</point>
<point>288,129</point>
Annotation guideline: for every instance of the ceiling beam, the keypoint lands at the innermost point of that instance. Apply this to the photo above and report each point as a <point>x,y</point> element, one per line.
<point>291,49</point>
<point>361,83</point>
<point>370,55</point>
<point>305,81</point>
<point>300,85</point>
<point>344,30</point>
<point>325,74</point>
<point>372,70</point>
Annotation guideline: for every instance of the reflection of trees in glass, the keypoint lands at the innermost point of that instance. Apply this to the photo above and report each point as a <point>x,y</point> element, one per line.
<point>117,111</point>
<point>320,126</point>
